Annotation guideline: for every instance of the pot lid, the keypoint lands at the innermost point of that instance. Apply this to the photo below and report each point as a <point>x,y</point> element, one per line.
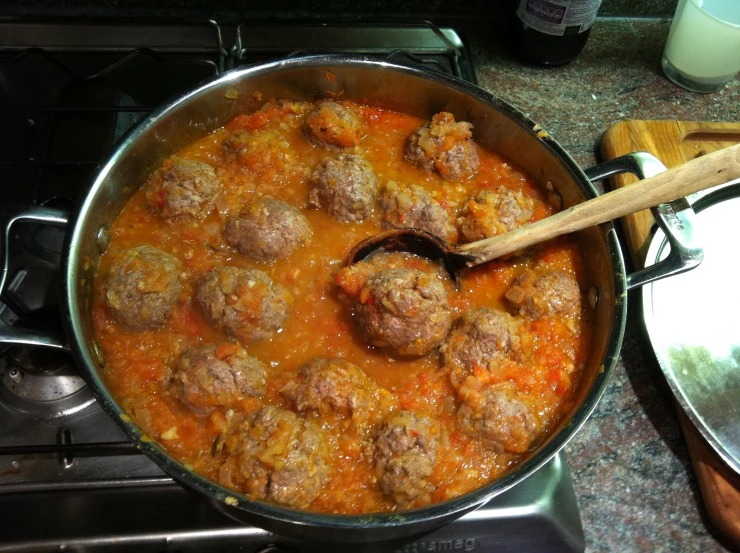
<point>691,320</point>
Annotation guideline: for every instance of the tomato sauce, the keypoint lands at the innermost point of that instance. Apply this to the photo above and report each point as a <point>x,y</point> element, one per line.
<point>139,365</point>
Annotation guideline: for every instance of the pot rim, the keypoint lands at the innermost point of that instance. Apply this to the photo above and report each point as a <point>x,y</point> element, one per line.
<point>73,306</point>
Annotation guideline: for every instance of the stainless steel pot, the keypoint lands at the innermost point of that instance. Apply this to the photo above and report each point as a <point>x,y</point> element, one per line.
<point>420,92</point>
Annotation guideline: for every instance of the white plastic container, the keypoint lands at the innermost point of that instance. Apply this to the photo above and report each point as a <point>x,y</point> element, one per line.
<point>702,53</point>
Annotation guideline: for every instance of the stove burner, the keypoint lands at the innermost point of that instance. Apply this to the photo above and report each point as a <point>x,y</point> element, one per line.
<point>41,387</point>
<point>38,361</point>
<point>43,382</point>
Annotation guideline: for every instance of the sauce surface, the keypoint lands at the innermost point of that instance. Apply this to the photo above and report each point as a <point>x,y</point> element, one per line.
<point>139,365</point>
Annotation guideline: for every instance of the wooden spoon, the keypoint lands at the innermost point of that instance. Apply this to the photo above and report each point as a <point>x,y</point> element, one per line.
<point>717,168</point>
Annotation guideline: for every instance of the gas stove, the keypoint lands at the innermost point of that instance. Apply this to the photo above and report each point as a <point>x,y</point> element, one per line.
<point>69,479</point>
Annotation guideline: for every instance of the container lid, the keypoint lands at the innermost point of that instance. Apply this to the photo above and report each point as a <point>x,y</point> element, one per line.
<point>692,322</point>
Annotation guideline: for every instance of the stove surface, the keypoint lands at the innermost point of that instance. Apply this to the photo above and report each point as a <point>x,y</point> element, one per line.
<point>155,514</point>
<point>69,479</point>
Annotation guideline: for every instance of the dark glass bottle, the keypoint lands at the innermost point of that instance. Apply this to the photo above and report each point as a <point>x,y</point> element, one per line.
<point>553,32</point>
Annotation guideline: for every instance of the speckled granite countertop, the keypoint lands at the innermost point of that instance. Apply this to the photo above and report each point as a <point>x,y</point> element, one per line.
<point>632,474</point>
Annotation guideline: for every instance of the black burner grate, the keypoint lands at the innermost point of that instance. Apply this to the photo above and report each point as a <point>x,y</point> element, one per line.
<point>65,105</point>
<point>408,43</point>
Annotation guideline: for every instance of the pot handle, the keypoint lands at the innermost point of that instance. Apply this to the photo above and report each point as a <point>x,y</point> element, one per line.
<point>676,219</point>
<point>11,214</point>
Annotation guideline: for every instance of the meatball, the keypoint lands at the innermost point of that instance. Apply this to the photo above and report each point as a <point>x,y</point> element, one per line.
<point>551,293</point>
<point>413,207</point>
<point>346,186</point>
<point>481,338</point>
<point>268,229</point>
<point>280,458</point>
<point>143,287</point>
<point>331,125</point>
<point>182,188</point>
<point>263,156</point>
<point>404,310</point>
<point>245,302</point>
<point>405,452</point>
<point>338,386</point>
<point>490,212</point>
<point>445,147</point>
<point>210,376</point>
<point>499,419</point>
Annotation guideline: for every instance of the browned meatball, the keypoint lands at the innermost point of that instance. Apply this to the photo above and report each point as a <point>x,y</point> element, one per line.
<point>246,303</point>
<point>346,186</point>
<point>411,206</point>
<point>500,419</point>
<point>490,213</point>
<point>482,337</point>
<point>143,287</point>
<point>268,229</point>
<point>445,147</point>
<point>263,156</point>
<point>551,293</point>
<point>280,458</point>
<point>208,377</point>
<point>404,310</point>
<point>405,452</point>
<point>333,125</point>
<point>182,188</point>
<point>338,386</point>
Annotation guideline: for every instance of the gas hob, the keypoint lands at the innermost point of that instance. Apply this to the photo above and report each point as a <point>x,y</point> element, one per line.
<point>69,480</point>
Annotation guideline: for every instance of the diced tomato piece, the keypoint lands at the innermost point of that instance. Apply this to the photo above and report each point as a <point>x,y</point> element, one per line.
<point>238,123</point>
<point>149,369</point>
<point>225,350</point>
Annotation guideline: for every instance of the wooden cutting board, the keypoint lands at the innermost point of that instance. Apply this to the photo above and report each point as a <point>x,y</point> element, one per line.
<point>674,143</point>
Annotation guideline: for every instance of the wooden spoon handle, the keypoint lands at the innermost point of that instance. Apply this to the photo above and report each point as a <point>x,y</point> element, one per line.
<point>698,174</point>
